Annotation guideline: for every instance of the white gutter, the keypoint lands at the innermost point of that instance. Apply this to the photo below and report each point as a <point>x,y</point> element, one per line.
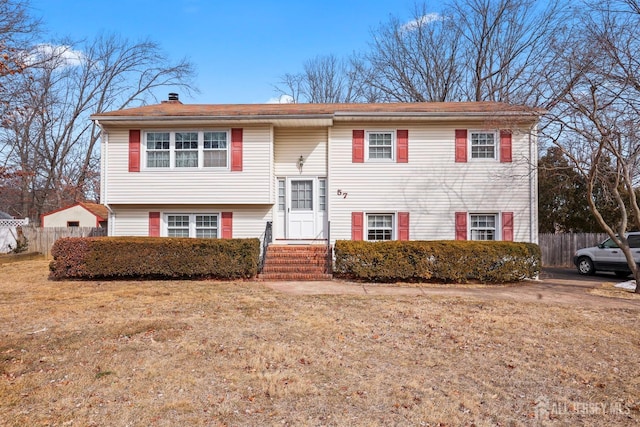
<point>533,173</point>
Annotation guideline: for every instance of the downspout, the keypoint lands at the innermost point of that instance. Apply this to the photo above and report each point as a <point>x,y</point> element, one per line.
<point>104,139</point>
<point>533,173</point>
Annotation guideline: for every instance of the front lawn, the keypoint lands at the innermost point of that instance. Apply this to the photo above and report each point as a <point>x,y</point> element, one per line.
<point>205,353</point>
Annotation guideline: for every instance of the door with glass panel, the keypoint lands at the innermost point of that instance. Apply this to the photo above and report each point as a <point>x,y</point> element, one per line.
<point>301,210</point>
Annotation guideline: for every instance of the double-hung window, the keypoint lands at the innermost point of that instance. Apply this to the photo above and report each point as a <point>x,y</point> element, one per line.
<point>483,145</point>
<point>178,225</point>
<point>187,149</point>
<point>380,145</point>
<point>192,225</point>
<point>483,226</point>
<point>379,226</point>
<point>158,149</point>
<point>207,226</point>
<point>215,149</point>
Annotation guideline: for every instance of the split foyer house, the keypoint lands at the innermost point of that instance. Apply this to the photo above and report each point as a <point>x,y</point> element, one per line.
<point>322,172</point>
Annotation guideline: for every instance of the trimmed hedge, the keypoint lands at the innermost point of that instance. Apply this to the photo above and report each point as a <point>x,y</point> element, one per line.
<point>153,258</point>
<point>446,261</point>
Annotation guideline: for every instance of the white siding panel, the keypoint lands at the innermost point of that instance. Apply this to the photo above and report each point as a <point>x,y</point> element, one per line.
<point>253,185</point>
<point>291,143</point>
<point>431,186</point>
<point>248,221</point>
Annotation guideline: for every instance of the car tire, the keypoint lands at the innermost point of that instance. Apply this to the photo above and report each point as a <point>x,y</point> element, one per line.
<point>585,266</point>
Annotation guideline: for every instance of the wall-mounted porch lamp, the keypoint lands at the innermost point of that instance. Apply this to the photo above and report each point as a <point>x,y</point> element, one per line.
<point>300,162</point>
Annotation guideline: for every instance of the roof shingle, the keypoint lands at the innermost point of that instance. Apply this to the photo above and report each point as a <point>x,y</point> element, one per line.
<point>177,109</point>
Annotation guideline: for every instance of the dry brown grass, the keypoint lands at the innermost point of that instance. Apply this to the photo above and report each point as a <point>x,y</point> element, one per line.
<point>209,353</point>
<point>609,290</point>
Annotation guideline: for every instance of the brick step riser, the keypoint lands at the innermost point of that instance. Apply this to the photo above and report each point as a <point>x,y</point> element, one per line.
<point>298,253</point>
<point>294,269</point>
<point>280,261</point>
<point>299,277</point>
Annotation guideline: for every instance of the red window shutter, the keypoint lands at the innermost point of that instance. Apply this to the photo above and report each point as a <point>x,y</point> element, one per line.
<point>461,145</point>
<point>402,146</point>
<point>507,226</point>
<point>134,150</point>
<point>154,224</point>
<point>357,225</point>
<point>403,225</point>
<point>227,225</point>
<point>357,150</point>
<point>461,226</point>
<point>236,150</point>
<point>505,146</point>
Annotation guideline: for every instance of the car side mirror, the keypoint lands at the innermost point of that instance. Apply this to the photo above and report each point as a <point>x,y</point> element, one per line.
<point>601,246</point>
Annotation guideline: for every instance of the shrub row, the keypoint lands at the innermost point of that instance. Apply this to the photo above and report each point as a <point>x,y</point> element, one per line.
<point>153,258</point>
<point>446,261</point>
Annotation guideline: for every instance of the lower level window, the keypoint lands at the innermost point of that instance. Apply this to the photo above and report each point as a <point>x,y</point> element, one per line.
<point>192,225</point>
<point>379,226</point>
<point>483,226</point>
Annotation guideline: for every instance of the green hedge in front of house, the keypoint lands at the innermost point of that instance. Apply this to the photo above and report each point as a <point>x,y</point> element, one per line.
<point>445,261</point>
<point>153,258</point>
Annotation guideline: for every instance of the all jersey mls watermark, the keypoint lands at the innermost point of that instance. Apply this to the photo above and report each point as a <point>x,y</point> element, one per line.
<point>548,409</point>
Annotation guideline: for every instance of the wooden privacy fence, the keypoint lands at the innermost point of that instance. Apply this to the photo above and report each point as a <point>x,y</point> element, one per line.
<point>42,239</point>
<point>558,249</point>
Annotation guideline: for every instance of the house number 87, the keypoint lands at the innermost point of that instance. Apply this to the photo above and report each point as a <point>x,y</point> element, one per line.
<point>342,193</point>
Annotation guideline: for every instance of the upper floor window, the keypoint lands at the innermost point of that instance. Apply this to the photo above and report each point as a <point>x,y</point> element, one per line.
<point>380,145</point>
<point>215,149</point>
<point>186,149</point>
<point>483,226</point>
<point>190,149</point>
<point>158,149</point>
<point>483,145</point>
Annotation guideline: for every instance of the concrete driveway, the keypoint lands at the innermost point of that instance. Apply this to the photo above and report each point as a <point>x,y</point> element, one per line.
<point>555,286</point>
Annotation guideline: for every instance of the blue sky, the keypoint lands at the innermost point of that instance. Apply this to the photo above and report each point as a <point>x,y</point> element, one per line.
<point>240,48</point>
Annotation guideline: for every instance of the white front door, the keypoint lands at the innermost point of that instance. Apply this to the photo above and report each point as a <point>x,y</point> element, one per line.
<point>301,209</point>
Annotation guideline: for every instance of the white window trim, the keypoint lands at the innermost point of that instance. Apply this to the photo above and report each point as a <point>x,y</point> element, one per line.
<point>393,145</point>
<point>394,225</point>
<point>192,222</point>
<point>498,229</point>
<point>172,150</point>
<point>496,150</point>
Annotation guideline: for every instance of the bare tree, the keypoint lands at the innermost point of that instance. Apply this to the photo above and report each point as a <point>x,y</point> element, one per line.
<point>17,29</point>
<point>475,50</point>
<point>595,117</point>
<point>327,79</point>
<point>417,61</point>
<point>49,134</point>
<point>505,46</point>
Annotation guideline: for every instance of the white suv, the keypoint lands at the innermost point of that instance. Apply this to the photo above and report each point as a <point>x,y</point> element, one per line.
<point>607,256</point>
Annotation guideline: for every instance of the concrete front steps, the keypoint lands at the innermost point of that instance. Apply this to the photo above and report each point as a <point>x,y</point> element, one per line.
<point>296,262</point>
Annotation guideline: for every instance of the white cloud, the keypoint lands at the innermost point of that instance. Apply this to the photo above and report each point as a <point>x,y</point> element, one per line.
<point>282,99</point>
<point>60,55</point>
<point>414,24</point>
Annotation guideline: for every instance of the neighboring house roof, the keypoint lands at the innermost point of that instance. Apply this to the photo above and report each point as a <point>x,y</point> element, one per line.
<point>269,112</point>
<point>100,211</point>
<point>97,209</point>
